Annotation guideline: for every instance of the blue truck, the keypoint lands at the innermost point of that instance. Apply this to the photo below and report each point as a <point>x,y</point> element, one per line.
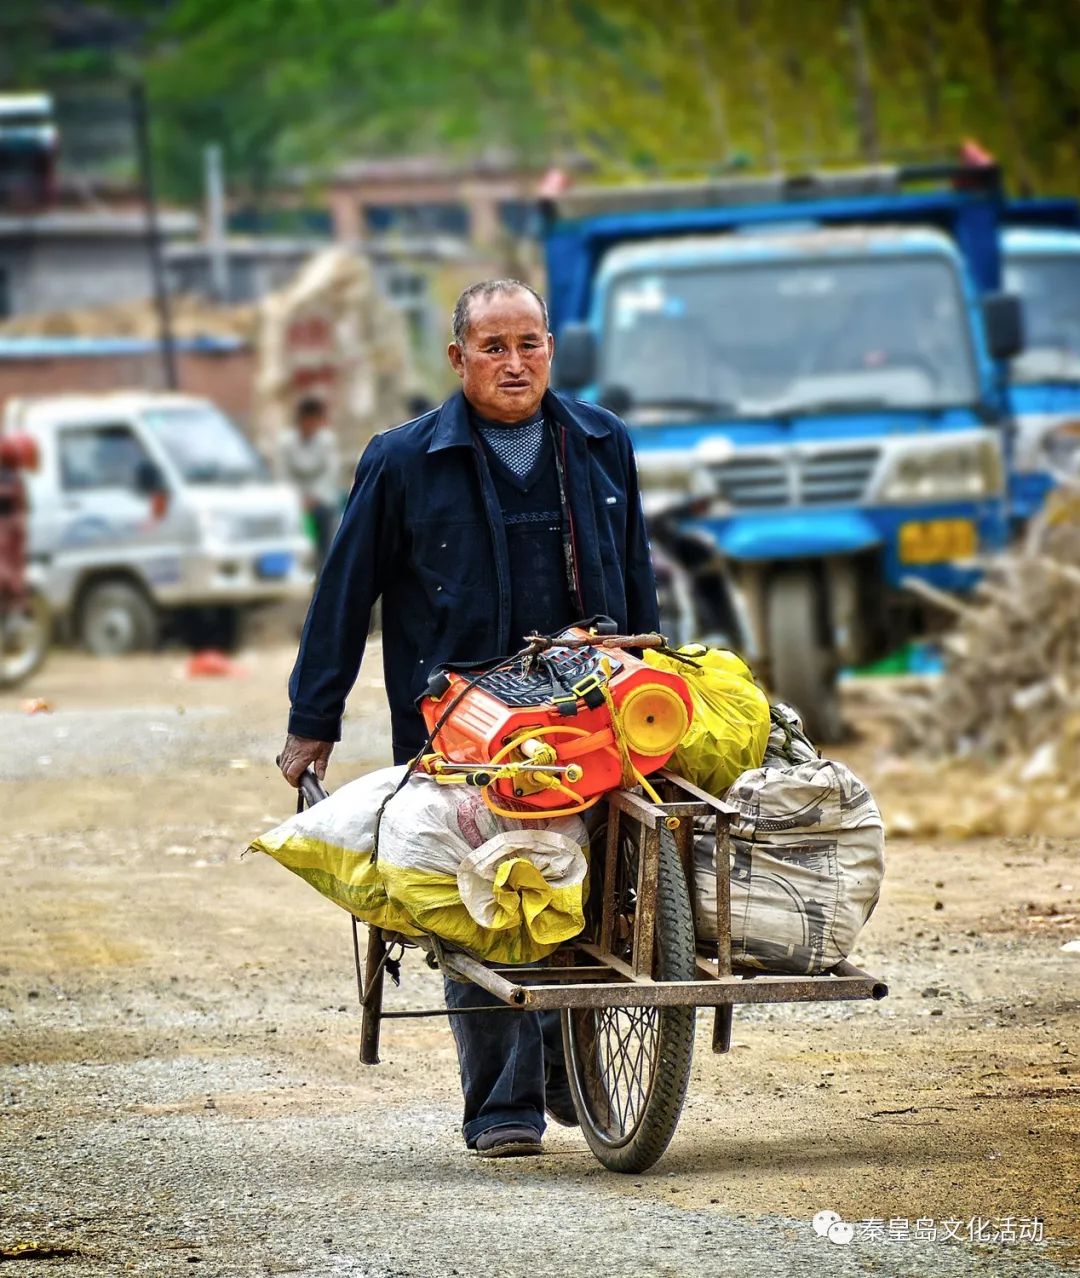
<point>1041,245</point>
<point>822,362</point>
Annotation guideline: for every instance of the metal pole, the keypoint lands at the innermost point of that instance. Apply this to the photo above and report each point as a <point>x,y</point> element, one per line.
<point>139,112</point>
<point>216,244</point>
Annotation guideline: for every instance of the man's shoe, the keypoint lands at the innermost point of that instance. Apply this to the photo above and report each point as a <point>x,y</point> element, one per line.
<point>509,1140</point>
<point>560,1106</point>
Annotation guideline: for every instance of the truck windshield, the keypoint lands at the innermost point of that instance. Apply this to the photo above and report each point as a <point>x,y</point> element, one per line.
<point>1049,286</point>
<point>204,445</point>
<point>787,336</point>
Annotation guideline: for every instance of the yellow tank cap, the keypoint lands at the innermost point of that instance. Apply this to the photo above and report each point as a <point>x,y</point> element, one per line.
<point>654,719</point>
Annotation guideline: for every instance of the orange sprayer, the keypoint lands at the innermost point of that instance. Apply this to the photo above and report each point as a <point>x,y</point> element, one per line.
<point>551,730</point>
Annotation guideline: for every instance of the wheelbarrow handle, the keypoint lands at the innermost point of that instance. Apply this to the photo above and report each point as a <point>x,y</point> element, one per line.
<point>311,789</point>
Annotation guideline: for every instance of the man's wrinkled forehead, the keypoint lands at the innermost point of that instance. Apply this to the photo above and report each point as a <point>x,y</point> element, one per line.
<point>514,314</point>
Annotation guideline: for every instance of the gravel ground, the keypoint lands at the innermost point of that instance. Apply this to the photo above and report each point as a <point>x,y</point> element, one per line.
<point>178,1044</point>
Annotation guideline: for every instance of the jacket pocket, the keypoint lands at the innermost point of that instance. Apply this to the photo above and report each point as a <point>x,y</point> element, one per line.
<point>451,558</point>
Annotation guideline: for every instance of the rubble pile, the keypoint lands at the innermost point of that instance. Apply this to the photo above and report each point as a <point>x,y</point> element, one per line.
<point>331,333</point>
<point>993,746</point>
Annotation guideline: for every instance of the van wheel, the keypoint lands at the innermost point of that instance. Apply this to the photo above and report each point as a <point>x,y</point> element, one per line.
<point>116,617</point>
<point>803,668</point>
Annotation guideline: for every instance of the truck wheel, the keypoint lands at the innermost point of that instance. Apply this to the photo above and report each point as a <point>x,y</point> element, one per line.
<point>116,617</point>
<point>803,668</point>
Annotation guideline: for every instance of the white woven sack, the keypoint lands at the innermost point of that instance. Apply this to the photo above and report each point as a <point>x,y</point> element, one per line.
<point>434,828</point>
<point>807,860</point>
<point>559,859</point>
<point>346,818</point>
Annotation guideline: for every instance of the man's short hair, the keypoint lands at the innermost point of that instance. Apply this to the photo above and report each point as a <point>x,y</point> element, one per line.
<point>484,290</point>
<point>310,406</point>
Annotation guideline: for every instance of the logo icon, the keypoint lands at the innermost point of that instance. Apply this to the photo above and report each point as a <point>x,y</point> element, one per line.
<point>830,1225</point>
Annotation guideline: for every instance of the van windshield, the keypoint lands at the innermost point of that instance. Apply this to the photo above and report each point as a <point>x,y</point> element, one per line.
<point>777,337</point>
<point>1049,287</point>
<point>204,445</point>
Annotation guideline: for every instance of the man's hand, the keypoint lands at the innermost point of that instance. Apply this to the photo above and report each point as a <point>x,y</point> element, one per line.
<point>298,752</point>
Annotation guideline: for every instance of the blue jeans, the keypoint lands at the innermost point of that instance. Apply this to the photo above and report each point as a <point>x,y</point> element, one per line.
<point>502,1056</point>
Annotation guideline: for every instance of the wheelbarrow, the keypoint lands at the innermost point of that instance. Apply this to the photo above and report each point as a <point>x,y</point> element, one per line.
<point>629,985</point>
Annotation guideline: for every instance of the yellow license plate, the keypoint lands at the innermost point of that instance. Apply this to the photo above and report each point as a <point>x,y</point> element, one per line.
<point>934,540</point>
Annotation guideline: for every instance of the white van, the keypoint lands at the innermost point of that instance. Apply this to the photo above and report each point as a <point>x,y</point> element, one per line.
<point>154,508</point>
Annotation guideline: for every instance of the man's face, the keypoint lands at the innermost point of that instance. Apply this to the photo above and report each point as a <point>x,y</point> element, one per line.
<point>505,363</point>
<point>311,422</point>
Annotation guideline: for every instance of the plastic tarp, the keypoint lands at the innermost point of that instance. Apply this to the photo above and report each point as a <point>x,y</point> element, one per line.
<point>807,860</point>
<point>730,727</point>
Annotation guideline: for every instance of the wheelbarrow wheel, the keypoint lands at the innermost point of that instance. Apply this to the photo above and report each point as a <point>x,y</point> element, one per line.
<point>629,1067</point>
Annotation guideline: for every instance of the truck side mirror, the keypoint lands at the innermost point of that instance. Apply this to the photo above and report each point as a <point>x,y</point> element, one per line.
<point>1003,315</point>
<point>149,481</point>
<point>617,399</point>
<point>575,356</point>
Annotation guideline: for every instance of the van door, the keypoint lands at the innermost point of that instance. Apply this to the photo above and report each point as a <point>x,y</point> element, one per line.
<point>103,520</point>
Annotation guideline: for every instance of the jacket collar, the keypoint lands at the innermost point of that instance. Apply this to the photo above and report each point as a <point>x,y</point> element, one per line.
<point>453,428</point>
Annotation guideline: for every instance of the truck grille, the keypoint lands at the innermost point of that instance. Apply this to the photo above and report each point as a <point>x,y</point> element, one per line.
<point>260,527</point>
<point>836,478</point>
<point>767,480</point>
<point>761,480</point>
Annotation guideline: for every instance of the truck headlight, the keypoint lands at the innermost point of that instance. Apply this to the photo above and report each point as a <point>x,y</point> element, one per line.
<point>218,527</point>
<point>950,472</point>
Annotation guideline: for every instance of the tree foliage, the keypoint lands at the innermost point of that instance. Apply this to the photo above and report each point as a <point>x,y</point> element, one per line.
<point>640,88</point>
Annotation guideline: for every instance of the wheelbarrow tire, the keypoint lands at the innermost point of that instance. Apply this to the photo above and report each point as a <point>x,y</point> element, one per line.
<point>629,1106</point>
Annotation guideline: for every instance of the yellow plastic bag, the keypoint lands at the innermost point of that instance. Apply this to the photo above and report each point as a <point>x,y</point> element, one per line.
<point>329,846</point>
<point>512,898</point>
<point>730,727</point>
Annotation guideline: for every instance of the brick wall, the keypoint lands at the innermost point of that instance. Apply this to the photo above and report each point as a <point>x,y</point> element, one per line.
<point>226,377</point>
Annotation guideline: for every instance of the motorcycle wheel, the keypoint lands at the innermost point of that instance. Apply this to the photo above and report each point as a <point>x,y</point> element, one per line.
<point>24,640</point>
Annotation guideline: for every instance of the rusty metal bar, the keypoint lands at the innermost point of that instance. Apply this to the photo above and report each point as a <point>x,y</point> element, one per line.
<point>683,835</point>
<point>634,805</point>
<point>722,857</point>
<point>615,964</point>
<point>611,861</point>
<point>538,975</point>
<point>714,993</point>
<point>879,988</point>
<point>373,992</point>
<point>701,796</point>
<point>454,963</point>
<point>645,906</point>
<point>721,1030</point>
<point>449,1011</point>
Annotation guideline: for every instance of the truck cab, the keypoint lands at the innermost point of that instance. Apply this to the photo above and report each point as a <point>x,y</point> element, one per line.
<point>151,508</point>
<point>825,375</point>
<point>1042,266</point>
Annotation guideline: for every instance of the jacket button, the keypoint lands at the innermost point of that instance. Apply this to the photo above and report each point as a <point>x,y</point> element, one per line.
<point>442,545</point>
<point>438,589</point>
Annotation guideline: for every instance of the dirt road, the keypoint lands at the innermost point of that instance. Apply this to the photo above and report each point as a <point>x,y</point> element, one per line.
<point>178,1046</point>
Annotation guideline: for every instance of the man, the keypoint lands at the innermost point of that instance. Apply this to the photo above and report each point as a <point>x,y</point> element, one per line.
<point>506,510</point>
<point>308,458</point>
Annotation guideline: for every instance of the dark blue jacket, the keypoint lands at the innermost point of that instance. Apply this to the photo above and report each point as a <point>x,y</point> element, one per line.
<point>423,529</point>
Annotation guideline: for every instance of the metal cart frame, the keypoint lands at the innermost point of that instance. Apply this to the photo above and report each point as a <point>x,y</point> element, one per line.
<point>585,975</point>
